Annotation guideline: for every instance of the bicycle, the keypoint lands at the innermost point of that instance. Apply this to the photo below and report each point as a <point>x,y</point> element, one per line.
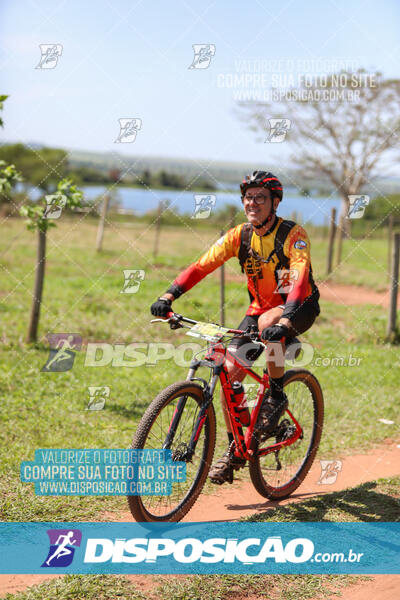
<point>182,419</point>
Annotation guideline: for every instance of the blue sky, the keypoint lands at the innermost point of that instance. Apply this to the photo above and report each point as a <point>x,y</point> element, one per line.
<point>130,59</point>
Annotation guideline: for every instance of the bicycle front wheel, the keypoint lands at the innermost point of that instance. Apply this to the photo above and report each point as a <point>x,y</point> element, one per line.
<point>278,474</point>
<point>152,433</point>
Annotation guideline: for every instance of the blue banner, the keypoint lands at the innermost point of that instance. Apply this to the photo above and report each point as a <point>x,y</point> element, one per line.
<point>102,472</point>
<point>201,548</point>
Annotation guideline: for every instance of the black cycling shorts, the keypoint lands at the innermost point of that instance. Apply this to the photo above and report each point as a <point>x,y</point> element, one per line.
<point>248,352</point>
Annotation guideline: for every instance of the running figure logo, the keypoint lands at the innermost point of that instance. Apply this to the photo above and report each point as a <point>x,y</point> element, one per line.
<point>98,395</point>
<point>133,280</point>
<point>50,54</point>
<point>62,547</point>
<point>62,351</point>
<point>286,279</point>
<point>203,54</point>
<point>357,206</point>
<point>204,203</point>
<point>54,205</point>
<point>278,129</point>
<point>128,129</point>
<point>330,470</point>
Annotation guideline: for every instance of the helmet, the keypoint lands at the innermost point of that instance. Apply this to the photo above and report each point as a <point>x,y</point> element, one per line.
<point>262,179</point>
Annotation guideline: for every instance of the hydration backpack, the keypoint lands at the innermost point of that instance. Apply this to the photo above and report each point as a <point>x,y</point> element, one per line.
<point>245,249</point>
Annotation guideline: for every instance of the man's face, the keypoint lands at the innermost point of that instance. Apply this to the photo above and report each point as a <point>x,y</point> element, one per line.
<point>257,204</point>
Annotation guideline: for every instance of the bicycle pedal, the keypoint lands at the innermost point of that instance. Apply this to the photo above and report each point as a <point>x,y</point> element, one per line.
<point>219,482</point>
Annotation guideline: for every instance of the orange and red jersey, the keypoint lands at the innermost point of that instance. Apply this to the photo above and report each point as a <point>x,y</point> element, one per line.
<point>268,283</point>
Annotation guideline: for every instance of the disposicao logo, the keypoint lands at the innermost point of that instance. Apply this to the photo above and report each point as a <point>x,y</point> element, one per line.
<point>190,550</point>
<point>62,547</point>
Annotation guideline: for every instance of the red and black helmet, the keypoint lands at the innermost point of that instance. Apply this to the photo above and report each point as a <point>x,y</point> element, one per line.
<point>262,179</point>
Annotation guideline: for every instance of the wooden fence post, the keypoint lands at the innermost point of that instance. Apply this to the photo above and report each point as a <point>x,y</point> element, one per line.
<point>390,240</point>
<point>158,228</point>
<point>222,293</point>
<point>394,285</point>
<point>100,230</point>
<point>332,231</point>
<point>340,241</point>
<point>233,213</point>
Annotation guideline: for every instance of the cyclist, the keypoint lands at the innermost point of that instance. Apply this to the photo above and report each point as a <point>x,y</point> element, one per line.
<point>273,252</point>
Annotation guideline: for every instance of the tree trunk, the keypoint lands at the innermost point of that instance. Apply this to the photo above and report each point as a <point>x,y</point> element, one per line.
<point>38,291</point>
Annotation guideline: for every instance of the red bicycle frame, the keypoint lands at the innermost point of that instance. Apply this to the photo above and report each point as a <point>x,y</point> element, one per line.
<point>245,443</point>
<point>215,358</point>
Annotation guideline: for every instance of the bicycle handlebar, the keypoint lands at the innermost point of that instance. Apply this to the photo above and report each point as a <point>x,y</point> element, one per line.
<point>176,318</point>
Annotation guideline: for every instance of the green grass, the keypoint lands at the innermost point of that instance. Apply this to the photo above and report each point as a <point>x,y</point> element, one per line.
<point>196,587</point>
<point>364,263</point>
<point>272,587</point>
<point>82,295</point>
<point>81,587</point>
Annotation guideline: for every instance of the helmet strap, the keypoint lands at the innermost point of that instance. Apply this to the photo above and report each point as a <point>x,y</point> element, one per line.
<point>267,220</point>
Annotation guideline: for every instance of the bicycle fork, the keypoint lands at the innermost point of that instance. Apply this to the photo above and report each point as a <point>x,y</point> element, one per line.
<point>208,391</point>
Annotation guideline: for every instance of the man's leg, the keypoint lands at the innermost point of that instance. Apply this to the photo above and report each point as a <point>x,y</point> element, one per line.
<point>223,469</point>
<point>275,352</point>
<point>275,401</point>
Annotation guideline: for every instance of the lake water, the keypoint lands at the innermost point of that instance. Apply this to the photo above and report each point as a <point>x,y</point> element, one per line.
<point>315,210</point>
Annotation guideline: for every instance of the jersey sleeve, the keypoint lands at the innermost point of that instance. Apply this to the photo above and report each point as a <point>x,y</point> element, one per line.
<point>297,249</point>
<point>223,249</point>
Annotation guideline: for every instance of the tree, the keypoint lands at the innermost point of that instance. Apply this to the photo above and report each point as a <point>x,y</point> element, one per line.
<point>3,98</point>
<point>39,218</point>
<point>40,168</point>
<point>9,175</point>
<point>342,126</point>
<point>146,178</point>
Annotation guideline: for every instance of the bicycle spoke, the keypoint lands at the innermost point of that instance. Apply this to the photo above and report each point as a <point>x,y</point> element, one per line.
<point>162,505</point>
<point>278,474</point>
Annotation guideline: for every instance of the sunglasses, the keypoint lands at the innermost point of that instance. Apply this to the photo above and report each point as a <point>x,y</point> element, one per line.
<point>259,199</point>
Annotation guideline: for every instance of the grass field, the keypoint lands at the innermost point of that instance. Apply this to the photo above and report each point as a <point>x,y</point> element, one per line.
<point>82,295</point>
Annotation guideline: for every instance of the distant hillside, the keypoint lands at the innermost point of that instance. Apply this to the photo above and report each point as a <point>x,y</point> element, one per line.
<point>222,171</point>
<point>226,172</point>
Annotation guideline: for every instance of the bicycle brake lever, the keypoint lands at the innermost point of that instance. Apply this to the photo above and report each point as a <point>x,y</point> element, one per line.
<point>159,321</point>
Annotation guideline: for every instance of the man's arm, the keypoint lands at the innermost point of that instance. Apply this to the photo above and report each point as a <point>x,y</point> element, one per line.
<point>223,249</point>
<point>297,248</point>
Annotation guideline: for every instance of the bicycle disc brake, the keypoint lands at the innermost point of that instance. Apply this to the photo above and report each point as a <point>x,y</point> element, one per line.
<point>284,432</point>
<point>181,453</point>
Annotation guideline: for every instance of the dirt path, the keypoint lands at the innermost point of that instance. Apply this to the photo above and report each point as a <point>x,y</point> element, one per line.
<point>352,294</point>
<point>340,293</point>
<point>231,503</point>
<point>382,587</point>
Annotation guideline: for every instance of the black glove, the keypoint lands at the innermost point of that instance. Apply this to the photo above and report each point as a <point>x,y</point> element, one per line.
<point>161,307</point>
<point>274,333</point>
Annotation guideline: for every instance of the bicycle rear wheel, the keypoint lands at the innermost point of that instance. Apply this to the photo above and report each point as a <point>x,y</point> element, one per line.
<point>151,434</point>
<point>277,475</point>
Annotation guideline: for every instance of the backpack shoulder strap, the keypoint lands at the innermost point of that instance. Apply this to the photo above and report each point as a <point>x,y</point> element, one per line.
<point>245,243</point>
<point>283,231</point>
